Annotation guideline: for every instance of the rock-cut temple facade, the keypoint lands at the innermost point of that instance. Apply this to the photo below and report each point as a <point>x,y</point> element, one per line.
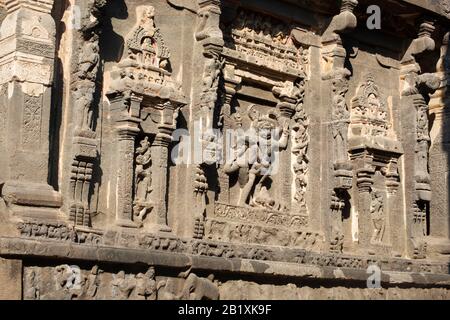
<point>224,149</point>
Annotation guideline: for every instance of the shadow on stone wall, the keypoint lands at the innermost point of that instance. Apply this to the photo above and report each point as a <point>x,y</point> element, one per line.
<point>446,131</point>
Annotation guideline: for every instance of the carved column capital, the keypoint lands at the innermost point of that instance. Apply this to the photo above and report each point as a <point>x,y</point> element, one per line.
<point>424,42</point>
<point>364,179</point>
<point>341,23</point>
<point>208,31</point>
<point>127,131</point>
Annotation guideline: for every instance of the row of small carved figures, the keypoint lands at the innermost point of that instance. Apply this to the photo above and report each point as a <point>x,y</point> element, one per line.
<point>206,248</point>
<point>58,232</point>
<point>264,50</point>
<point>73,283</point>
<point>256,24</point>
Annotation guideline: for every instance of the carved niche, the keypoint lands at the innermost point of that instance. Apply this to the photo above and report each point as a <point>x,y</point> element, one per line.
<point>374,151</point>
<point>145,102</point>
<point>263,181</point>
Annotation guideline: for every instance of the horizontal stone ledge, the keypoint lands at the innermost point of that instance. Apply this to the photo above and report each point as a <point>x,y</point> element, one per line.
<point>23,248</point>
<point>429,5</point>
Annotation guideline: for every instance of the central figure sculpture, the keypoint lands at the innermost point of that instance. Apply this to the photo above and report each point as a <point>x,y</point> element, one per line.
<point>255,158</point>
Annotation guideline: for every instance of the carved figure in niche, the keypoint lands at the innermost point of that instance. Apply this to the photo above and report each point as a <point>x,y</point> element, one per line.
<point>122,286</point>
<point>143,180</point>
<point>89,58</point>
<point>255,154</point>
<point>377,215</point>
<point>93,281</point>
<point>341,115</point>
<point>145,46</point>
<point>422,124</point>
<point>300,149</point>
<point>83,102</point>
<point>146,287</point>
<point>213,68</point>
<point>211,77</point>
<point>421,149</point>
<point>340,128</point>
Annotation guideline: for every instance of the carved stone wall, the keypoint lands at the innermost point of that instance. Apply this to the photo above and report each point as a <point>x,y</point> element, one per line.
<point>149,142</point>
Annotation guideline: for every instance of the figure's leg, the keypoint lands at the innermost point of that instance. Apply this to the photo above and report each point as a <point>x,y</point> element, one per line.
<point>246,190</point>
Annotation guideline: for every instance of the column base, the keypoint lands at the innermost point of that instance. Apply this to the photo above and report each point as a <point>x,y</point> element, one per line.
<point>33,200</point>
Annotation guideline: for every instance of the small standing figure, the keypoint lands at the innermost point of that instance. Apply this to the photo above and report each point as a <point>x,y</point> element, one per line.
<point>143,180</point>
<point>378,219</point>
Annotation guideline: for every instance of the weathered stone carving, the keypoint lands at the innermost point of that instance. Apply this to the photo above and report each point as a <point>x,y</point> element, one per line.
<point>265,41</point>
<point>27,64</point>
<point>85,87</point>
<point>378,217</point>
<point>266,140</point>
<point>142,181</point>
<point>254,157</point>
<point>369,111</point>
<point>142,85</point>
<point>334,68</point>
<point>416,87</point>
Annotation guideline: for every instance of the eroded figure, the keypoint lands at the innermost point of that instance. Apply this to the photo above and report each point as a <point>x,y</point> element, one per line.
<point>146,287</point>
<point>378,219</point>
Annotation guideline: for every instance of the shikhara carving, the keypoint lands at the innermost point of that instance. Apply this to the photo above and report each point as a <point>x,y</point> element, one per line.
<point>145,46</point>
<point>177,149</point>
<point>369,111</point>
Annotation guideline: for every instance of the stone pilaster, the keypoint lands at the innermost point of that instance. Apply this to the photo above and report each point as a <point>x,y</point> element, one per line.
<point>27,52</point>
<point>364,183</point>
<point>415,121</point>
<point>336,76</point>
<point>126,134</point>
<point>160,150</point>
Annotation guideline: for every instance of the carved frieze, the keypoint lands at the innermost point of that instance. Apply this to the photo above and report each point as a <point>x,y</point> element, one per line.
<point>369,116</point>
<point>71,282</point>
<point>144,67</point>
<point>264,41</point>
